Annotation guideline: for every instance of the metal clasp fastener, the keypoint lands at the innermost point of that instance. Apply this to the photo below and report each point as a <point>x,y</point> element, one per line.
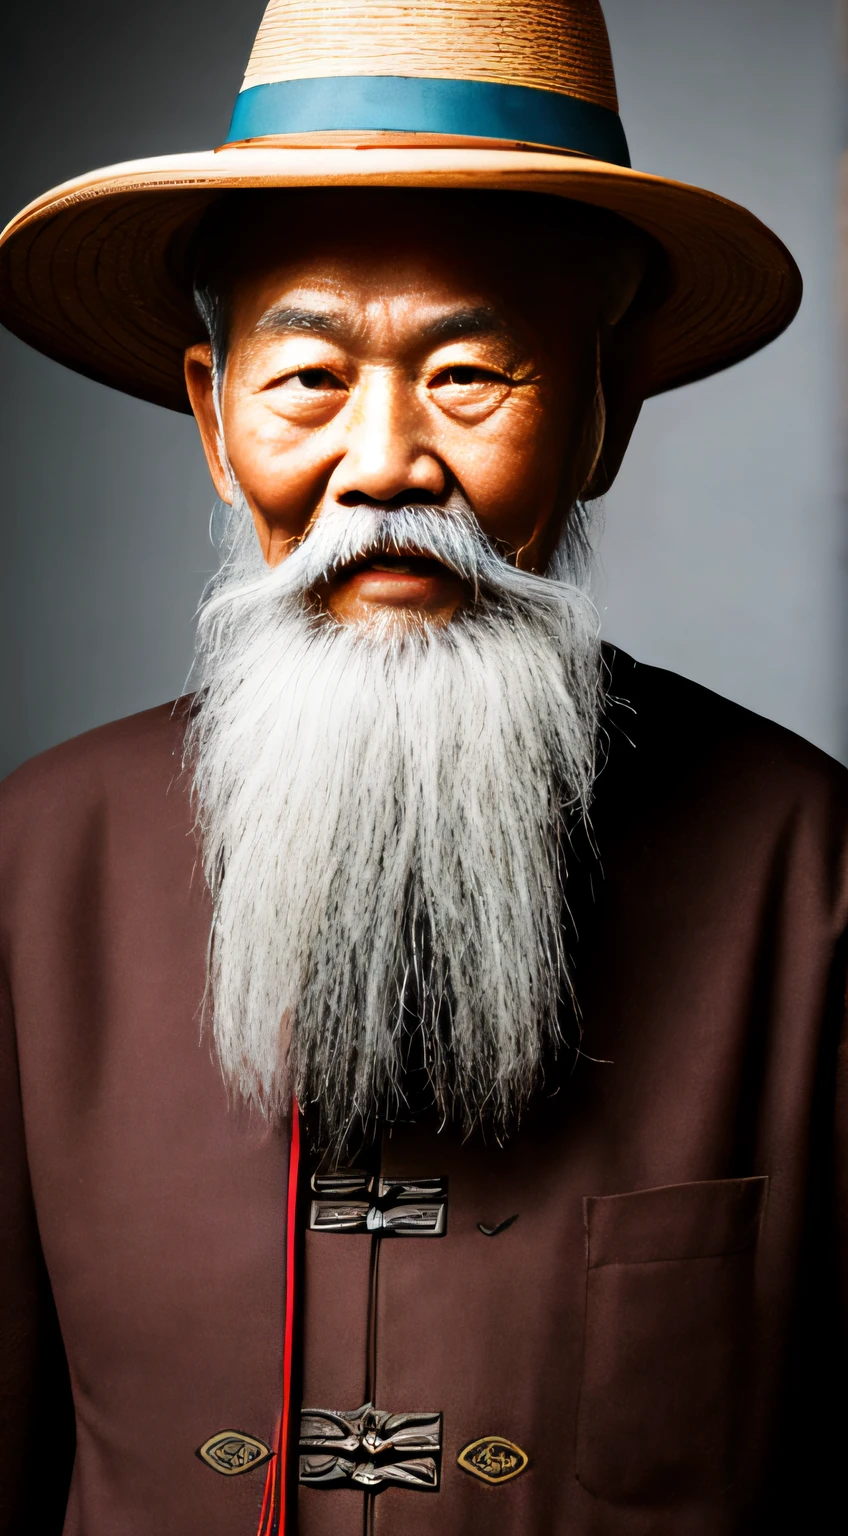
<point>355,1201</point>
<point>368,1448</point>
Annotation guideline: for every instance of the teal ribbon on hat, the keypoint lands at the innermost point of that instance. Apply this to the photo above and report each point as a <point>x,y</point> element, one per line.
<point>412,104</point>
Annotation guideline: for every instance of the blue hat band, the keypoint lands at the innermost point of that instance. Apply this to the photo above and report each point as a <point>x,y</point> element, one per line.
<point>412,104</point>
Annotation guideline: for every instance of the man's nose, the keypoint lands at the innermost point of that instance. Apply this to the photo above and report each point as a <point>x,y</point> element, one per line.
<point>387,448</point>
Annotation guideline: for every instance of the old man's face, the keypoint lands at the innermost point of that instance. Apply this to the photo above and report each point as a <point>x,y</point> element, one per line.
<point>386,348</point>
<point>396,718</point>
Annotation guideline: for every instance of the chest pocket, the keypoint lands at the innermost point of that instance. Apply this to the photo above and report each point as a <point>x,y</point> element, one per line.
<point>669,1297</point>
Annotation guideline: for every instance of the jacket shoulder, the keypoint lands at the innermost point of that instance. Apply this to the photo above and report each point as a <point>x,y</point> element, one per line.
<point>675,724</point>
<point>110,761</point>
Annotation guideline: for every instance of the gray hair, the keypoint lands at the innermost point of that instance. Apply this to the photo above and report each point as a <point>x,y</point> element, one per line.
<point>383,813</point>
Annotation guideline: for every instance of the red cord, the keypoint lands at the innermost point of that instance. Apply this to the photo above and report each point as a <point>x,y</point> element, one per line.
<point>266,1498</point>
<point>272,1520</point>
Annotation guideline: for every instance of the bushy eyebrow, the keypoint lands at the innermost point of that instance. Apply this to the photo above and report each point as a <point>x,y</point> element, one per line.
<point>284,318</point>
<point>469,320</point>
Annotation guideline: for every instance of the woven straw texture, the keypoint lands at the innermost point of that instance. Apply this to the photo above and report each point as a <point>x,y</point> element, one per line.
<point>555,45</point>
<point>96,273</point>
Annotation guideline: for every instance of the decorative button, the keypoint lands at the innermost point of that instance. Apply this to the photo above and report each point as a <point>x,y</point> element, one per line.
<point>367,1448</point>
<point>493,1459</point>
<point>230,1452</point>
<point>360,1202</point>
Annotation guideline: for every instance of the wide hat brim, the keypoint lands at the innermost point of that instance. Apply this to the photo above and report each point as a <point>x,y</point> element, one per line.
<point>96,273</point>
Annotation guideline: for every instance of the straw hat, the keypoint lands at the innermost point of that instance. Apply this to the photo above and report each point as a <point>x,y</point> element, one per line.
<point>505,94</point>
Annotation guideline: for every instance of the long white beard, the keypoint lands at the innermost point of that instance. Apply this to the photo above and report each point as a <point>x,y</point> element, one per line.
<point>382,812</point>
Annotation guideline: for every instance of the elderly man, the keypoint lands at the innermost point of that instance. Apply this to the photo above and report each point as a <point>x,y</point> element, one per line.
<point>420,1093</point>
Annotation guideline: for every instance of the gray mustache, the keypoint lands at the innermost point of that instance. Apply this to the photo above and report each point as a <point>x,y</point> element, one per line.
<point>449,534</point>
<point>344,535</point>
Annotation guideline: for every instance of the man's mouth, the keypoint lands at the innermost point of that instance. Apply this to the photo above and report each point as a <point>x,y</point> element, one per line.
<point>404,580</point>
<point>397,564</point>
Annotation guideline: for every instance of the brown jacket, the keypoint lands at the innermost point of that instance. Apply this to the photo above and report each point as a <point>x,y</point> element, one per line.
<point>658,1332</point>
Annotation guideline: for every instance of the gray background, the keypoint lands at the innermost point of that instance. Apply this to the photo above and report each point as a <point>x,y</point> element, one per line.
<point>724,553</point>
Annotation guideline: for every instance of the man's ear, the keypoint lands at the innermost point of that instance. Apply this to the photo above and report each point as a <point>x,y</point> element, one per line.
<point>201,393</point>
<point>623,375</point>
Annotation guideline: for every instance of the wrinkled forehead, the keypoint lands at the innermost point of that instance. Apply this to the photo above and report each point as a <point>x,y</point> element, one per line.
<point>518,249</point>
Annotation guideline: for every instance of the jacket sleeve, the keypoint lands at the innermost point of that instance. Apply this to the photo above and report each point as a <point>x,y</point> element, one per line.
<point>36,1413</point>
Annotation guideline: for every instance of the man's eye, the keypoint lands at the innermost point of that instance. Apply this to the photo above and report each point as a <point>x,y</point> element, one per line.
<point>315,378</point>
<point>289,388</point>
<point>465,373</point>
